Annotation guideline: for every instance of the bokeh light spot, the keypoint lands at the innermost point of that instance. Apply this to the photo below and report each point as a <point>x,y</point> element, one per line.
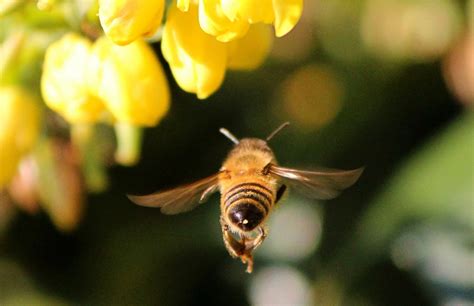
<point>458,69</point>
<point>295,231</point>
<point>280,286</point>
<point>418,30</point>
<point>311,96</point>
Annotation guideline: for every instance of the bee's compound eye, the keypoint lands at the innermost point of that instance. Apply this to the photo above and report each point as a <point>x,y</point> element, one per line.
<point>245,216</point>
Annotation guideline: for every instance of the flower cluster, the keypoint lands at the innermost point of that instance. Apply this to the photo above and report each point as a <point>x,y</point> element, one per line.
<point>230,19</point>
<point>198,61</point>
<point>202,39</point>
<point>116,78</point>
<point>87,82</point>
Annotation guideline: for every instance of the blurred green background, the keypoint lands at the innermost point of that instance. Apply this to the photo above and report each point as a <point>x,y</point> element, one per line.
<point>388,85</point>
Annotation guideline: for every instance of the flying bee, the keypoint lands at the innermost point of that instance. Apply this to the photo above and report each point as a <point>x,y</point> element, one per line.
<point>251,183</point>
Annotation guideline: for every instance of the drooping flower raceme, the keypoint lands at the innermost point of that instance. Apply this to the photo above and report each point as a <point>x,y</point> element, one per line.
<point>198,61</point>
<point>124,21</point>
<point>19,128</point>
<point>229,19</point>
<point>91,82</point>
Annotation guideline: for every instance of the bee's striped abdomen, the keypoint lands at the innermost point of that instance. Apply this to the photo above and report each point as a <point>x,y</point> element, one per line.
<point>251,193</point>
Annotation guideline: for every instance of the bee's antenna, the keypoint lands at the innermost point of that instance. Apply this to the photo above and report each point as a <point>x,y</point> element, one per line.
<point>229,135</point>
<point>281,127</point>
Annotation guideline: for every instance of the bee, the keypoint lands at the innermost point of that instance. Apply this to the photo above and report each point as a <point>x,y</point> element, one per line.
<point>251,183</point>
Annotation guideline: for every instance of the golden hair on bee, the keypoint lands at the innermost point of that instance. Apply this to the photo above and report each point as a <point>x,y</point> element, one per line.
<point>251,183</point>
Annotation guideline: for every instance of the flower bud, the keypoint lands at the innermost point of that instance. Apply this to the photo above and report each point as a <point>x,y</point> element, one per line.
<point>130,82</point>
<point>19,129</point>
<point>64,80</point>
<point>124,21</point>
<point>197,60</point>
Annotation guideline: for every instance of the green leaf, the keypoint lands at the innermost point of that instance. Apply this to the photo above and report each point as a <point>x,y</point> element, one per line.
<point>437,183</point>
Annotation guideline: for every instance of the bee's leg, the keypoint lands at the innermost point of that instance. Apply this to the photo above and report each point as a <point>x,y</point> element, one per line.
<point>257,241</point>
<point>250,246</point>
<point>234,247</point>
<point>247,258</point>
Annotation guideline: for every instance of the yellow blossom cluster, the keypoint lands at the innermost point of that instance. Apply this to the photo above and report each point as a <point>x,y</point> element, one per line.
<point>126,20</point>
<point>230,19</point>
<point>118,78</point>
<point>88,82</point>
<point>202,39</point>
<point>198,61</point>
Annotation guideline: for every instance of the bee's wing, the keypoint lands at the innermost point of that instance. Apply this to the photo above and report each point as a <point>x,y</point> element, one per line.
<point>180,199</point>
<point>323,184</point>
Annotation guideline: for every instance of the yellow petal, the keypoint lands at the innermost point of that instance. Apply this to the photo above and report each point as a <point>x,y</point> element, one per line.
<point>126,20</point>
<point>251,51</point>
<point>287,14</point>
<point>183,5</point>
<point>249,10</point>
<point>197,60</point>
<point>214,22</point>
<point>19,128</point>
<point>130,81</point>
<point>64,80</point>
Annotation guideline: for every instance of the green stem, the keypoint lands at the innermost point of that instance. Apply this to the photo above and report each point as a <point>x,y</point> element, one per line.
<point>129,141</point>
<point>92,163</point>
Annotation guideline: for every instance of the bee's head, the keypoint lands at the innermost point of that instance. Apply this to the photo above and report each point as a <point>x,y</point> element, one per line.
<point>245,216</point>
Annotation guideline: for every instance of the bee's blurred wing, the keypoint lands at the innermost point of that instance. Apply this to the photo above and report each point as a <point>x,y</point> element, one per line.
<point>180,199</point>
<point>324,184</point>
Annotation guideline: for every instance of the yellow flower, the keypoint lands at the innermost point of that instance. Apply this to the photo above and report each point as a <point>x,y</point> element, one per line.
<point>64,80</point>
<point>87,82</point>
<point>19,128</point>
<point>124,21</point>
<point>197,60</point>
<point>225,19</point>
<point>130,82</point>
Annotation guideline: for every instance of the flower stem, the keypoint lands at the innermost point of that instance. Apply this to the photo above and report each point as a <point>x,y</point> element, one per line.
<point>129,141</point>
